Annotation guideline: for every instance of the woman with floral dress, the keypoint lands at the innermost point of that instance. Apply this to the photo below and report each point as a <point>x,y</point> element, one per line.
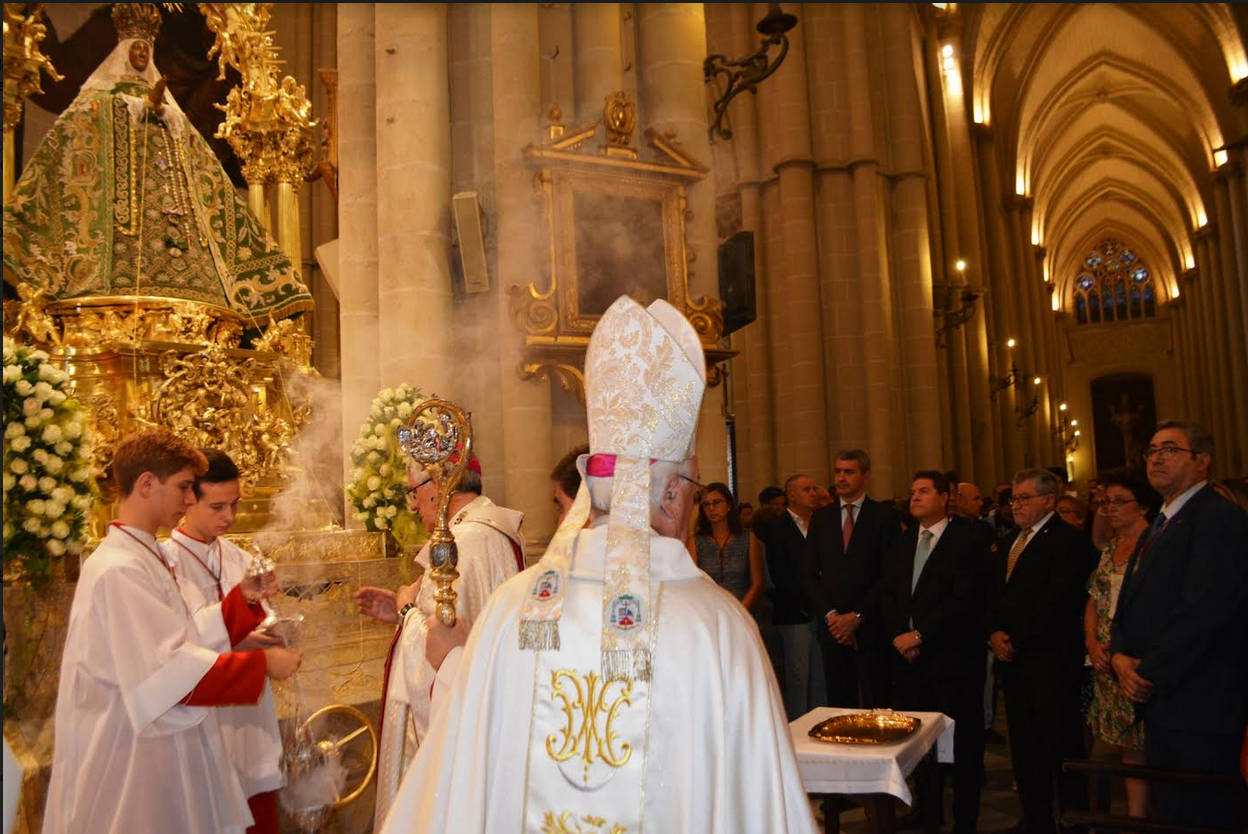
<point>1128,505</point>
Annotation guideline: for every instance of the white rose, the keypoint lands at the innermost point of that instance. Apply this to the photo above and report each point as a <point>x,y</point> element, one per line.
<point>391,511</point>
<point>35,506</point>
<point>28,482</point>
<point>56,398</point>
<point>46,485</point>
<point>384,470</point>
<point>31,406</point>
<point>53,509</point>
<point>62,494</point>
<point>64,448</point>
<point>14,430</point>
<point>40,456</point>
<point>50,372</point>
<point>394,422</point>
<point>374,457</point>
<point>21,444</point>
<point>56,547</point>
<point>383,524</point>
<point>379,430</point>
<point>42,391</point>
<point>23,388</point>
<point>34,421</point>
<point>31,525</point>
<point>361,516</point>
<point>9,482</point>
<point>369,502</point>
<point>81,502</point>
<point>18,466</point>
<point>73,429</point>
<point>54,465</point>
<point>80,474</point>
<point>374,484</point>
<point>46,413</point>
<point>51,434</point>
<point>11,373</point>
<point>60,529</point>
<point>405,410</point>
<point>37,356</point>
<point>387,395</point>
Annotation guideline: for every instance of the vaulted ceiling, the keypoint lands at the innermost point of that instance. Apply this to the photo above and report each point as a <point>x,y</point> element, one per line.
<point>1110,118</point>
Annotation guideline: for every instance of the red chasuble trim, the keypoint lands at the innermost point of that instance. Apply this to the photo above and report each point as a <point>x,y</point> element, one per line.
<point>241,617</point>
<point>236,678</point>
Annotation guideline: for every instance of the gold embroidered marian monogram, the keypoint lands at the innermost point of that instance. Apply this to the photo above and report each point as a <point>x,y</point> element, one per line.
<point>590,716</point>
<point>565,823</point>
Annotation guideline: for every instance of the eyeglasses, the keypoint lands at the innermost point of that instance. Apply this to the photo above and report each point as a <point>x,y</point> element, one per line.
<point>1022,499</point>
<point>700,494</point>
<point>1167,450</point>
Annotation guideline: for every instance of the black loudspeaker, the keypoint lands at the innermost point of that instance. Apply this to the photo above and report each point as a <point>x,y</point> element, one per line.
<point>736,281</point>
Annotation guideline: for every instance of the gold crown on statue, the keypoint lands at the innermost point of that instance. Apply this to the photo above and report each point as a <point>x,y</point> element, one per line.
<point>136,20</point>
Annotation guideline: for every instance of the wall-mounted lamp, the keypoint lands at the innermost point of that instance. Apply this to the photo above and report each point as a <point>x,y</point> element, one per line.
<point>997,384</point>
<point>748,72</point>
<point>1067,429</point>
<point>955,318</point>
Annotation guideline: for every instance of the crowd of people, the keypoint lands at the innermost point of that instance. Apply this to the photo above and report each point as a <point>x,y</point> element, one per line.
<point>945,598</point>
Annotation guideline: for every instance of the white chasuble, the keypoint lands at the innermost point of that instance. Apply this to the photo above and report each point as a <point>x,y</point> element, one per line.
<point>484,536</point>
<point>536,742</point>
<point>206,573</point>
<point>129,756</point>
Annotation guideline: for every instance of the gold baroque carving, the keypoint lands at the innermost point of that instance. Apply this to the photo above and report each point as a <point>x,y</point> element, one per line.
<point>206,399</point>
<point>615,223</point>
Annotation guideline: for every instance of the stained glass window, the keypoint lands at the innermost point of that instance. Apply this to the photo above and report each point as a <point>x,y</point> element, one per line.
<point>1114,284</point>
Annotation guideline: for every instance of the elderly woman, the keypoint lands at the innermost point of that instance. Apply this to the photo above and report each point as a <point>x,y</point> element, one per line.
<point>1128,506</point>
<point>724,549</point>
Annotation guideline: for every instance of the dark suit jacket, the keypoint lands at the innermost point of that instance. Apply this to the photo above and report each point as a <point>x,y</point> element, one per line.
<point>1041,606</point>
<point>1183,610</point>
<point>947,604</point>
<point>784,544</point>
<point>848,581</point>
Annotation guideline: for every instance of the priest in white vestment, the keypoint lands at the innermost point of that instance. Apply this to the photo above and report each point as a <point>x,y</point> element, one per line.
<point>613,687</point>
<point>208,567</point>
<point>137,746</point>
<point>491,550</point>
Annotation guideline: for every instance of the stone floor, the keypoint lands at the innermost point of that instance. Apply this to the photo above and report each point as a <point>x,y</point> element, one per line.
<point>998,804</point>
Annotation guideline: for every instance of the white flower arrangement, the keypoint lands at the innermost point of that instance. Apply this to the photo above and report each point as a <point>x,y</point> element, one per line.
<point>48,488</point>
<point>378,487</point>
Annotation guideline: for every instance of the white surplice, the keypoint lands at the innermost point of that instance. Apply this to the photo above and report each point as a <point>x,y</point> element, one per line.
<point>129,756</point>
<point>484,533</point>
<point>533,741</point>
<point>206,573</point>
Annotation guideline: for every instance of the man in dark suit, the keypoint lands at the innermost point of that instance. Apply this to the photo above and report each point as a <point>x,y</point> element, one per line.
<point>1177,641</point>
<point>1034,622</point>
<point>844,555</point>
<point>931,604</point>
<point>784,537</point>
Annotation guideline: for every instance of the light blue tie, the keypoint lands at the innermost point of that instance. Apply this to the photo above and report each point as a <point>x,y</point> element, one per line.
<point>920,557</point>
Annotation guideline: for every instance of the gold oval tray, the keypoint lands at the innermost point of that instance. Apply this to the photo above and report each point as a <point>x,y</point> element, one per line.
<point>875,727</point>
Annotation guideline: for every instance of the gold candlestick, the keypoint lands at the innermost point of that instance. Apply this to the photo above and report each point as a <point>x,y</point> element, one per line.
<point>438,436</point>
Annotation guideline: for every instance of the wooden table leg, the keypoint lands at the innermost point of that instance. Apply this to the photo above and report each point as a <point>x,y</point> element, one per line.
<point>831,814</point>
<point>881,813</point>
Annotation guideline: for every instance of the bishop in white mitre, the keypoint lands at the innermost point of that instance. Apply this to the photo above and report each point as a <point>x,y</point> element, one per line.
<point>613,687</point>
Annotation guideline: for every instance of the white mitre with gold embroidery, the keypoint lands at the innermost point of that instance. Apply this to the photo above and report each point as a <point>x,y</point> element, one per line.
<point>645,375</point>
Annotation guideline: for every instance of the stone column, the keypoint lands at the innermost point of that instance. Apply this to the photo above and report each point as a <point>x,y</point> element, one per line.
<point>671,45</point>
<point>1215,358</point>
<point>1000,300</point>
<point>1234,275</point>
<point>528,455</point>
<point>357,221</point>
<point>413,196</point>
<point>882,371</point>
<point>596,27</point>
<point>1198,359</point>
<point>911,250</point>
